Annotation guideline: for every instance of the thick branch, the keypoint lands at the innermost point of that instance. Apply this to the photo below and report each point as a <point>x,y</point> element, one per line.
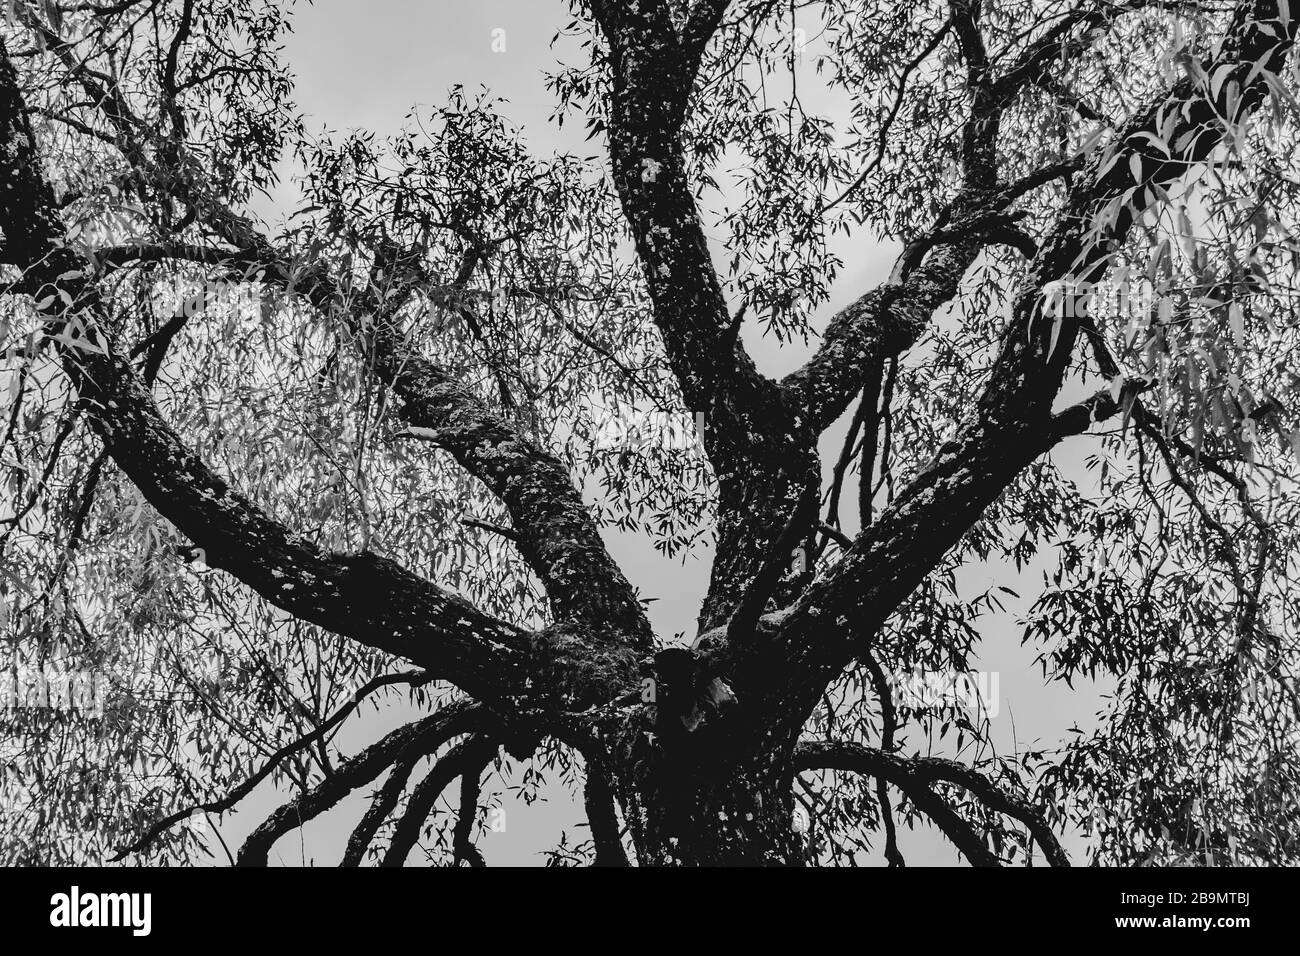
<point>558,536</point>
<point>880,325</point>
<point>380,807</point>
<point>1011,424</point>
<point>914,777</point>
<point>462,838</point>
<point>598,798</point>
<point>554,530</point>
<point>469,756</point>
<point>423,737</point>
<point>760,448</point>
<point>366,597</point>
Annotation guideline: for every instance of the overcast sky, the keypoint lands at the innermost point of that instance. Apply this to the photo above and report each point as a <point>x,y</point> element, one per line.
<point>365,65</point>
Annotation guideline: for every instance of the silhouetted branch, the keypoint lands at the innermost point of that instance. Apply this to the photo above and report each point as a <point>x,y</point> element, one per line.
<point>468,756</point>
<point>914,776</point>
<point>426,735</point>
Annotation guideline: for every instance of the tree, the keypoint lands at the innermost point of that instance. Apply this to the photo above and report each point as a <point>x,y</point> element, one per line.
<point>258,478</point>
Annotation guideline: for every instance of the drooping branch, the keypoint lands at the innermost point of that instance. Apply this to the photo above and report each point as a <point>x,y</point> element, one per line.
<point>598,797</point>
<point>469,756</point>
<point>228,801</point>
<point>964,836</point>
<point>876,441</point>
<point>462,838</point>
<point>888,728</point>
<point>808,757</point>
<point>914,776</point>
<point>381,805</point>
<point>423,737</point>
<point>850,450</point>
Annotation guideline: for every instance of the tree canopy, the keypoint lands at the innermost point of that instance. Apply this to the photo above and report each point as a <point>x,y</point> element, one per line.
<point>260,481</point>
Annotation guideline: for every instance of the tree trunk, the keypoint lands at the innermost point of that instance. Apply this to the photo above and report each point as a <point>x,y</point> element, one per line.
<point>688,804</point>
